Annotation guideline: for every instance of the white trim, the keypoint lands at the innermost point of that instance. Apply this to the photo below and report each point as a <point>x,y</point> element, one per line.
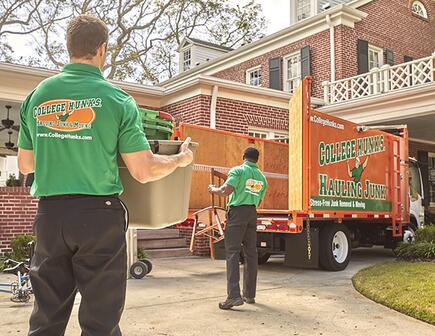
<point>340,14</point>
<point>422,7</point>
<point>214,95</point>
<point>248,77</point>
<point>381,55</point>
<point>285,78</point>
<point>358,3</point>
<point>331,46</point>
<point>428,142</point>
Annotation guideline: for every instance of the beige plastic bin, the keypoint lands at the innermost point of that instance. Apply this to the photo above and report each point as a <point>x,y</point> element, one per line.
<point>161,203</point>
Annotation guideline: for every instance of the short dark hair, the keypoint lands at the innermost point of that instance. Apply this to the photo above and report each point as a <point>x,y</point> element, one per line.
<point>84,35</point>
<point>251,154</point>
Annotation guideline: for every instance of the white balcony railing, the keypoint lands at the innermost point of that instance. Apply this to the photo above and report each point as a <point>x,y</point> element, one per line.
<point>377,81</point>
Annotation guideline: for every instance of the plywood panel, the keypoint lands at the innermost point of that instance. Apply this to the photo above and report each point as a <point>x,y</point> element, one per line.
<point>276,158</point>
<point>224,149</point>
<point>199,196</point>
<point>211,148</point>
<point>295,151</point>
<point>276,195</point>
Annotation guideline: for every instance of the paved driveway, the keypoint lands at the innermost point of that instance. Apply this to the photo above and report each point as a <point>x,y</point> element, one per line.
<point>180,298</point>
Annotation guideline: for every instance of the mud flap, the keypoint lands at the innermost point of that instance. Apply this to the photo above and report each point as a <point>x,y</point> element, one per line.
<point>297,249</point>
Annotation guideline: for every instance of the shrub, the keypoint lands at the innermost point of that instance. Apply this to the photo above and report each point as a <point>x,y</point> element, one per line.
<point>426,234</point>
<point>141,254</point>
<point>20,248</point>
<point>12,181</point>
<point>416,251</point>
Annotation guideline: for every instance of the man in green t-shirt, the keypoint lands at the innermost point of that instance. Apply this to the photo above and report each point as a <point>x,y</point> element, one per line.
<point>73,125</point>
<point>246,186</point>
<point>357,171</point>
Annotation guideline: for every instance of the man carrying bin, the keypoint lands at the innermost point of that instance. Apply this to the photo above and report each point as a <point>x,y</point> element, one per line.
<point>73,125</point>
<point>246,186</point>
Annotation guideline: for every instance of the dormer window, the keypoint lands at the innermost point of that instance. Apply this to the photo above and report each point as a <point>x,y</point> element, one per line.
<point>419,9</point>
<point>303,9</point>
<point>187,59</point>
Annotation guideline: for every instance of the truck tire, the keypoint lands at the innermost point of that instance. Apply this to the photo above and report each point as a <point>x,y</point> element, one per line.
<point>138,270</point>
<point>263,258</point>
<point>335,247</point>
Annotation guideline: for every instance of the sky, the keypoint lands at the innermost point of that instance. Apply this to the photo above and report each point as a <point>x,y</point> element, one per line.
<point>277,12</point>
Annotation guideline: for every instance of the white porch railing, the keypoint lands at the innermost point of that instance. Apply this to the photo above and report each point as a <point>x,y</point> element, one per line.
<point>386,79</point>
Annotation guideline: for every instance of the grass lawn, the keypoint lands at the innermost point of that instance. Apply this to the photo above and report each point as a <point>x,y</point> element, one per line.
<point>408,287</point>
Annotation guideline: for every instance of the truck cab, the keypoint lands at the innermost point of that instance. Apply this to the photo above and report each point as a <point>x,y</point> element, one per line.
<point>416,195</point>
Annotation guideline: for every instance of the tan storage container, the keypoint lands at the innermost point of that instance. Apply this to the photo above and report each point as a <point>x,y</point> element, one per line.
<point>161,203</point>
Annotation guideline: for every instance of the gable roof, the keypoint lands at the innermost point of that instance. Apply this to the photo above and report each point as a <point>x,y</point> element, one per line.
<point>342,14</point>
<point>203,43</point>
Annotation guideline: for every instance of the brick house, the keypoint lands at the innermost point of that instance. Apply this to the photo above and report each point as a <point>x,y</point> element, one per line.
<point>354,51</point>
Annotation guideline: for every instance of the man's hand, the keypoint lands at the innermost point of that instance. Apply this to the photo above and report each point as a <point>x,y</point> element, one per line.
<point>225,190</point>
<point>186,155</point>
<point>212,189</point>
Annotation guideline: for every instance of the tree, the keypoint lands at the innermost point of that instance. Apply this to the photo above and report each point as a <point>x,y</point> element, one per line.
<point>16,17</point>
<point>144,34</point>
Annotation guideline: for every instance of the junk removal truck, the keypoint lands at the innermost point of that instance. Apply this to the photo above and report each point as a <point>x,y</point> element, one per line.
<point>335,186</point>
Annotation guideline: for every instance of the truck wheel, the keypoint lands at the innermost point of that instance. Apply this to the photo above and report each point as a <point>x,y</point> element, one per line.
<point>138,270</point>
<point>263,258</point>
<point>335,247</point>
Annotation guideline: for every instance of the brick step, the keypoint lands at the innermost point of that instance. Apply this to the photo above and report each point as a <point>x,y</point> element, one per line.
<point>169,252</point>
<point>161,243</point>
<point>158,234</point>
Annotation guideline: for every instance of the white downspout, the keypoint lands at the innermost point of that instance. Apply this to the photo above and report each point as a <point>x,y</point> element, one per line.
<point>214,96</point>
<point>331,46</point>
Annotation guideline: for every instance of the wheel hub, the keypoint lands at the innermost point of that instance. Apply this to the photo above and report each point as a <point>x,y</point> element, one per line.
<point>340,247</point>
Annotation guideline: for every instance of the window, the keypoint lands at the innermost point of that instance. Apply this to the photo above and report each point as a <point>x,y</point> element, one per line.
<point>419,9</point>
<point>376,57</point>
<point>268,134</point>
<point>253,76</point>
<point>303,9</point>
<point>292,72</point>
<point>187,59</point>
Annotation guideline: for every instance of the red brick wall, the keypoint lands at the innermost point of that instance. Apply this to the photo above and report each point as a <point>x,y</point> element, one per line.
<point>194,110</point>
<point>389,24</point>
<point>237,116</point>
<point>17,211</point>
<point>320,68</point>
<point>201,248</point>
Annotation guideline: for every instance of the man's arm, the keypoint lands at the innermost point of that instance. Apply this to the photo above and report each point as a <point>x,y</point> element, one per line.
<point>224,190</point>
<point>26,163</point>
<point>145,166</point>
<point>366,162</point>
<point>348,169</point>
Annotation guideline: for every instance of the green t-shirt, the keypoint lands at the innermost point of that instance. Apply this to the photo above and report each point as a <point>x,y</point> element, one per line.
<point>249,185</point>
<point>356,173</point>
<point>76,122</point>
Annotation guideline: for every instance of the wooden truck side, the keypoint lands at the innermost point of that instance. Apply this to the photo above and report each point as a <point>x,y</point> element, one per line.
<point>334,186</point>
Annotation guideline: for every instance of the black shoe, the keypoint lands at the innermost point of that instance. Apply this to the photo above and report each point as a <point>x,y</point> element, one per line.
<point>249,300</point>
<point>230,303</point>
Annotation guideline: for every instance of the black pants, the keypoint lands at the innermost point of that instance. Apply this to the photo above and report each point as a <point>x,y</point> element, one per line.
<point>241,229</point>
<point>80,245</point>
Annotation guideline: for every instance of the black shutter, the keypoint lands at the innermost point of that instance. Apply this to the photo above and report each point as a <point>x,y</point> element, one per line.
<point>305,62</point>
<point>363,57</point>
<point>275,81</point>
<point>389,56</point>
<point>407,59</point>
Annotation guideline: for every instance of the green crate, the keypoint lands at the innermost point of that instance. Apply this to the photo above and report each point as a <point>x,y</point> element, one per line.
<point>156,132</point>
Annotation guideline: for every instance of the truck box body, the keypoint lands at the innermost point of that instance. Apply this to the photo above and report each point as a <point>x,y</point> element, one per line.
<point>335,185</point>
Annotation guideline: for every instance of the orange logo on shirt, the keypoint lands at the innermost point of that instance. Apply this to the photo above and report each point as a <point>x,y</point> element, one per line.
<point>253,186</point>
<point>66,115</point>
